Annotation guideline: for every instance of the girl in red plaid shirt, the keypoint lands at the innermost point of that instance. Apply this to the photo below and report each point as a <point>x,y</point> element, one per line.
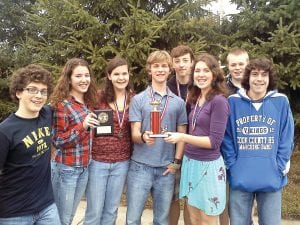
<point>73,99</point>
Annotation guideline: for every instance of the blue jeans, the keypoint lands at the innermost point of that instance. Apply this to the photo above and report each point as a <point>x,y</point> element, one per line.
<point>141,181</point>
<point>268,207</point>
<point>69,184</point>
<point>47,216</point>
<point>104,191</point>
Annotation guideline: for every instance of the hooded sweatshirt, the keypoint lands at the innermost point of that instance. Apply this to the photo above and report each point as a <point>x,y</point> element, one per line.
<point>258,142</point>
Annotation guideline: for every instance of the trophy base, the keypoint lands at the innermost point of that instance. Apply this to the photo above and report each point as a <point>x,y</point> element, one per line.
<point>158,135</point>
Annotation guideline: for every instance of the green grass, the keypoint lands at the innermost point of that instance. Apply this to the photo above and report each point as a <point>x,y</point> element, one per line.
<point>291,193</point>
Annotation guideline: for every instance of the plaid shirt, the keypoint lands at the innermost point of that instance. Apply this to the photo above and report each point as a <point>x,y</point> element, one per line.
<point>71,141</point>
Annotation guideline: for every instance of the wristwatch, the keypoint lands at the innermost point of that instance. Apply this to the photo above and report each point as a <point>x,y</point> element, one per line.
<point>175,164</point>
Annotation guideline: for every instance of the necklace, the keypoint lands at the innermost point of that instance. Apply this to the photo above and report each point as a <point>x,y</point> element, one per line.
<point>198,108</point>
<point>179,93</point>
<point>122,116</point>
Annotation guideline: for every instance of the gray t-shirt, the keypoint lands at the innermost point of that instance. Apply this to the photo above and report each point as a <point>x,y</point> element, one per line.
<point>161,153</point>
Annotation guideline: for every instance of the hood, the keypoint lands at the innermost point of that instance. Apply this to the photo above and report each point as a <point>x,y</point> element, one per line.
<point>243,94</point>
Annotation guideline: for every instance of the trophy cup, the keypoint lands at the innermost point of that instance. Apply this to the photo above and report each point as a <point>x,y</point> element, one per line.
<point>155,120</point>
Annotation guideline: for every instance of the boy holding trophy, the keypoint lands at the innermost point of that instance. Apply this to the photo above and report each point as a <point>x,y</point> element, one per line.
<point>154,162</point>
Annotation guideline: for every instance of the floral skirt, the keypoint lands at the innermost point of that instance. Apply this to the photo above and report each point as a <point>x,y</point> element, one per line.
<point>203,183</point>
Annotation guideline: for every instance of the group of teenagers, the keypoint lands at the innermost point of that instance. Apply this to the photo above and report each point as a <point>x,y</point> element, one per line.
<point>228,142</point>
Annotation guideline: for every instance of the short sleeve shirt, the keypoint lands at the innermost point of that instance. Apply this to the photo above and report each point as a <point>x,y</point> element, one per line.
<point>161,153</point>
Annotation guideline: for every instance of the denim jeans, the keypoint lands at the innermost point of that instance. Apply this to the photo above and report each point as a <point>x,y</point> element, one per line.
<point>69,184</point>
<point>268,207</point>
<point>104,190</point>
<point>141,181</point>
<point>47,216</point>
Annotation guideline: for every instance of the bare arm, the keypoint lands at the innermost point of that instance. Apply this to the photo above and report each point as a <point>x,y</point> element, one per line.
<point>180,145</point>
<point>136,134</point>
<point>179,151</point>
<point>199,141</point>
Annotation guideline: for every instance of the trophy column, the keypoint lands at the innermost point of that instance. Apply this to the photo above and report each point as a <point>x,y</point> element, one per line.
<point>155,121</point>
<point>155,125</point>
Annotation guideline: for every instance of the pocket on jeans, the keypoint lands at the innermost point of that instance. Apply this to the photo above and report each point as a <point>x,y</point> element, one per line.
<point>134,166</point>
<point>66,172</point>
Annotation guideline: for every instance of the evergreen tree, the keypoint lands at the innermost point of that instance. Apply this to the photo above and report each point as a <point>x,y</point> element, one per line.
<point>60,29</point>
<point>271,29</point>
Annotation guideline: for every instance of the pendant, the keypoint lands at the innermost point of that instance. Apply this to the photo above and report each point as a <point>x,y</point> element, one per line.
<point>120,135</point>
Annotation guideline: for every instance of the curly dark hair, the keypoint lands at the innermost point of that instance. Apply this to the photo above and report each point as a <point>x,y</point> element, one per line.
<point>25,75</point>
<point>108,94</point>
<point>260,64</point>
<point>63,86</point>
<point>218,86</point>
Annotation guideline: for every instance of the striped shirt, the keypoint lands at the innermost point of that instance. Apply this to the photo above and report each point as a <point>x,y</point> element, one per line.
<point>71,141</point>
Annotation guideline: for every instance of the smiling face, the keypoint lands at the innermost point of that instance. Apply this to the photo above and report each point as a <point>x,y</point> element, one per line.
<point>31,99</point>
<point>203,77</point>
<point>159,72</point>
<point>80,81</point>
<point>258,82</point>
<point>119,77</point>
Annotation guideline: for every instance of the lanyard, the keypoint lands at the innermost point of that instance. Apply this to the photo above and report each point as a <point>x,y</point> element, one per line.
<point>178,91</point>
<point>195,114</point>
<point>121,120</point>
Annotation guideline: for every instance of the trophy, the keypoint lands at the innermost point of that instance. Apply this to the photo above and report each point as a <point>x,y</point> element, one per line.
<point>105,118</point>
<point>155,120</point>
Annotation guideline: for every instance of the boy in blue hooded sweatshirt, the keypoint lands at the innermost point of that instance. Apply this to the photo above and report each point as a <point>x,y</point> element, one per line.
<point>257,145</point>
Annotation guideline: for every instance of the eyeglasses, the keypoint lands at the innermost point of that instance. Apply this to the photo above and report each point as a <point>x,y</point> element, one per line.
<point>35,91</point>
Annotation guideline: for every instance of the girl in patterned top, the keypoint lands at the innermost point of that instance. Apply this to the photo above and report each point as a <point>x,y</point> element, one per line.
<point>73,99</point>
<point>110,154</point>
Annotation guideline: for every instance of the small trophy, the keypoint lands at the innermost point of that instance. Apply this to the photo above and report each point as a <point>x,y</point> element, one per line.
<point>105,118</point>
<point>155,121</point>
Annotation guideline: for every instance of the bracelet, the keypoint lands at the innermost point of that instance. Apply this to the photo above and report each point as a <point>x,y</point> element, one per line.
<point>143,140</point>
<point>177,161</point>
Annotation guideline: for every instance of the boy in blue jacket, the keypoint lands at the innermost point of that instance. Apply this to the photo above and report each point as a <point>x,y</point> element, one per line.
<point>257,145</point>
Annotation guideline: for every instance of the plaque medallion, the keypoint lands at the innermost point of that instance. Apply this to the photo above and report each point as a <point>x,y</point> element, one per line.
<point>105,118</point>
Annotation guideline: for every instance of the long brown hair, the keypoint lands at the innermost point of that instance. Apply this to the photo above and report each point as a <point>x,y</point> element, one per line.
<point>108,93</point>
<point>218,84</point>
<point>63,86</point>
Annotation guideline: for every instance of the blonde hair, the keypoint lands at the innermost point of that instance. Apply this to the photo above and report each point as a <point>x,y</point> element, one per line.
<point>158,56</point>
<point>237,52</point>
